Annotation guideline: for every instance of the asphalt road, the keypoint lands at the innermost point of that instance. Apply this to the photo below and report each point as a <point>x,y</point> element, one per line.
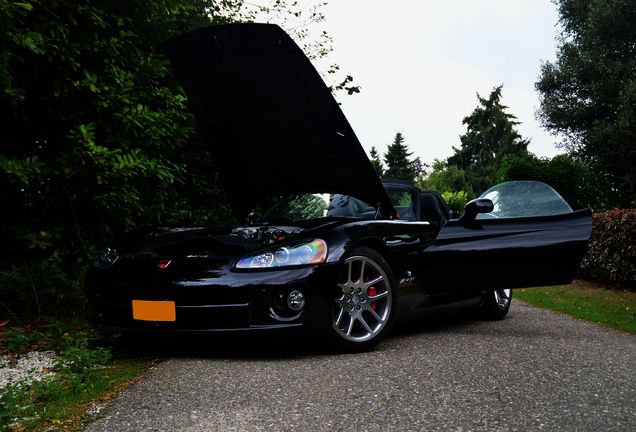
<point>536,370</point>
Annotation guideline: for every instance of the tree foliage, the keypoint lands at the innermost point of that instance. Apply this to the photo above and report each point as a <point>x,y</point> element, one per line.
<point>456,200</point>
<point>445,178</point>
<point>399,166</point>
<point>490,135</point>
<point>588,95</point>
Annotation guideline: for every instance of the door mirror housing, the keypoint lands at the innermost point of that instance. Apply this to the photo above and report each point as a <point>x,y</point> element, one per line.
<point>472,209</point>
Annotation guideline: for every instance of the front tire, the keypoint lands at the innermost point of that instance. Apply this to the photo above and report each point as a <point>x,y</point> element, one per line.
<point>365,301</point>
<point>495,304</point>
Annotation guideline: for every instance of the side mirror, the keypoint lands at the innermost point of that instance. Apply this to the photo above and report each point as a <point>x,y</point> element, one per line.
<point>472,209</point>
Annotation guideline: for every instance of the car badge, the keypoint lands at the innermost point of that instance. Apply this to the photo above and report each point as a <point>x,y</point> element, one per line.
<point>164,263</point>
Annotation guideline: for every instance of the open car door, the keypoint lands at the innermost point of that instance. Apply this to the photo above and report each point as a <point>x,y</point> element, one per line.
<point>532,237</point>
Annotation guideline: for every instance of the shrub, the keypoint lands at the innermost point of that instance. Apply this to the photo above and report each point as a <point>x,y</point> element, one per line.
<point>456,200</point>
<point>50,286</point>
<point>611,255</point>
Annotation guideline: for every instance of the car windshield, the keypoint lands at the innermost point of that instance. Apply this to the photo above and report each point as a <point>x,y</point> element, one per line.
<point>299,207</point>
<point>522,199</point>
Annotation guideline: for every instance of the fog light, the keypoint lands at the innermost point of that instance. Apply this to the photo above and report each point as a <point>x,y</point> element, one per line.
<point>295,300</point>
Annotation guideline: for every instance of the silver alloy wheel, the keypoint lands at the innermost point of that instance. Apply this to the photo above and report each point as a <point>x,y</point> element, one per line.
<point>363,304</point>
<point>502,298</point>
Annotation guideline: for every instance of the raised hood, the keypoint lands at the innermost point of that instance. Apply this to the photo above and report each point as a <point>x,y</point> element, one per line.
<point>271,121</point>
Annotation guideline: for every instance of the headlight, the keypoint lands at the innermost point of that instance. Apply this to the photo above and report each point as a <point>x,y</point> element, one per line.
<point>106,258</point>
<point>313,252</point>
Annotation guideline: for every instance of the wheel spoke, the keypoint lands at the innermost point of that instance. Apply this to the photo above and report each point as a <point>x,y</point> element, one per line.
<point>378,296</point>
<point>350,326</point>
<point>365,324</point>
<point>497,298</point>
<point>349,281</point>
<point>374,281</point>
<point>339,317</point>
<point>375,315</point>
<point>362,268</point>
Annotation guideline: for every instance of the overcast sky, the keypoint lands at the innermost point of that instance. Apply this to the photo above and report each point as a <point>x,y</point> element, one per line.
<point>421,62</point>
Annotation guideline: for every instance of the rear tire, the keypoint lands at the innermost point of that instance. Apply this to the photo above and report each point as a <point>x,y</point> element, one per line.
<point>495,304</point>
<point>365,302</point>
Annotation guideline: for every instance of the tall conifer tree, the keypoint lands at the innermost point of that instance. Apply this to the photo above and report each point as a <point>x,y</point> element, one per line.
<point>490,135</point>
<point>398,165</point>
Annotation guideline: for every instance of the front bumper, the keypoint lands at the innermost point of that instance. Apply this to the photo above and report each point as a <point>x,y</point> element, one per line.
<point>222,302</point>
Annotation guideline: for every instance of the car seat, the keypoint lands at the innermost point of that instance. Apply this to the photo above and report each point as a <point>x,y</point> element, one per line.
<point>434,209</point>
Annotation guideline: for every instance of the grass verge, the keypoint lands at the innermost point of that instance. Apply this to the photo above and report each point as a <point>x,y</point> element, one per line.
<point>84,376</point>
<point>611,307</point>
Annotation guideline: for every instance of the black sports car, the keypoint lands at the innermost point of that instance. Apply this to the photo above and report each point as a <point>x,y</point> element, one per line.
<point>338,251</point>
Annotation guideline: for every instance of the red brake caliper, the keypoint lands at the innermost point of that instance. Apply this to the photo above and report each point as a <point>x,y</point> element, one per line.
<point>372,292</point>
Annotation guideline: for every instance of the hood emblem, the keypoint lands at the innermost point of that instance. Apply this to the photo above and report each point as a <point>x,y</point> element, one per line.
<point>163,263</point>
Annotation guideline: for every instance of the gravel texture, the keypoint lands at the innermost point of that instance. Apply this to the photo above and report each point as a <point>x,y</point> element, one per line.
<point>30,367</point>
<point>536,370</point>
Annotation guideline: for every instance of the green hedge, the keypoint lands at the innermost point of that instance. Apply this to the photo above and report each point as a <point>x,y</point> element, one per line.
<point>611,256</point>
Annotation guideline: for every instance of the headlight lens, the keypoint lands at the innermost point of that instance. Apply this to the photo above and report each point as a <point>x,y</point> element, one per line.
<point>313,252</point>
<point>106,258</point>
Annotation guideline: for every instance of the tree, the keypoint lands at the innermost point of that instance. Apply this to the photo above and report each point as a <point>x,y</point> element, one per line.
<point>376,162</point>
<point>448,180</point>
<point>445,178</point>
<point>417,168</point>
<point>490,135</point>
<point>398,164</point>
<point>588,95</point>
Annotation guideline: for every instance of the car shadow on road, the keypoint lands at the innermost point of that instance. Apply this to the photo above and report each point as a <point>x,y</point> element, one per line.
<point>261,346</point>
<point>201,345</point>
<point>441,323</point>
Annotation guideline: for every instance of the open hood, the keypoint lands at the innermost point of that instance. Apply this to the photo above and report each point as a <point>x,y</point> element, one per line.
<point>273,124</point>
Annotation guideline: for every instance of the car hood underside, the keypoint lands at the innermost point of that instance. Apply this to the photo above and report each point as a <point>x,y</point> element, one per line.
<point>271,121</point>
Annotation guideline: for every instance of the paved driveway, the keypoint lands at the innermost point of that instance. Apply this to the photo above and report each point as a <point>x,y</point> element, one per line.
<point>536,370</point>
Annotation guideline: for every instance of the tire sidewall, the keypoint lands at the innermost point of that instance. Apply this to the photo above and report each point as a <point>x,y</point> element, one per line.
<point>491,310</point>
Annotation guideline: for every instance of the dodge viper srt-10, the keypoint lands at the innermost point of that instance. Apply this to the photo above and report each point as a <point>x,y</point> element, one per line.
<point>327,247</point>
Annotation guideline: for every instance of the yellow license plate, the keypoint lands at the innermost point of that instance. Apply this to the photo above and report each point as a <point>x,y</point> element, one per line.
<point>145,310</point>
